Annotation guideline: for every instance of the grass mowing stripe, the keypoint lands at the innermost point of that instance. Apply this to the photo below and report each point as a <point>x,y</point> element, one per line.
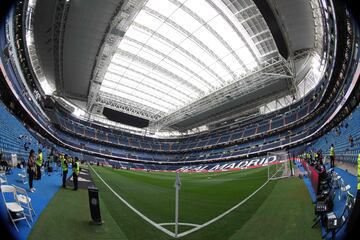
<point>223,214</point>
<point>68,217</point>
<point>286,214</point>
<point>199,202</point>
<point>246,189</point>
<point>133,226</point>
<point>227,226</point>
<point>191,230</point>
<point>129,221</point>
<point>134,209</point>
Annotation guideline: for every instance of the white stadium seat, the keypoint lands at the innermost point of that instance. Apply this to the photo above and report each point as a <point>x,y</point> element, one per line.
<point>15,210</point>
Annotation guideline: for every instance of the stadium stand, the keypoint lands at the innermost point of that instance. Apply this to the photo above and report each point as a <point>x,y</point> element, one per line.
<point>339,136</point>
<point>328,114</point>
<point>15,139</point>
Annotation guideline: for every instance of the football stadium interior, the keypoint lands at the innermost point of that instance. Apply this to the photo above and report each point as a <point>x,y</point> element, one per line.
<point>179,119</point>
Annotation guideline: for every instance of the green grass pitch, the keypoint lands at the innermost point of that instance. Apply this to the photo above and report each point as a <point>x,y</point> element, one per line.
<point>280,210</point>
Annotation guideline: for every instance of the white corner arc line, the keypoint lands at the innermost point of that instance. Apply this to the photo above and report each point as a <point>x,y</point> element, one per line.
<point>134,209</point>
<point>182,224</point>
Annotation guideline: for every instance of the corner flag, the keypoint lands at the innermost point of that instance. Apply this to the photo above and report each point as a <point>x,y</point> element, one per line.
<point>177,181</point>
<point>177,189</point>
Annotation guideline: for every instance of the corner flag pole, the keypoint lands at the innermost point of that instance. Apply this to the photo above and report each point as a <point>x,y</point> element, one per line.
<point>177,188</point>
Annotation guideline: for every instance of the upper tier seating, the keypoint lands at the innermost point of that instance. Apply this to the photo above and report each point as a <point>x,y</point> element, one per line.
<point>94,132</point>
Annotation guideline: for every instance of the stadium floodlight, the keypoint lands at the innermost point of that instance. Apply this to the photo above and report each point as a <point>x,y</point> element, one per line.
<point>78,112</point>
<point>48,90</point>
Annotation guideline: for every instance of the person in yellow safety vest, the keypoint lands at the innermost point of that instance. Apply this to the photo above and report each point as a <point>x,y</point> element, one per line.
<point>64,167</point>
<point>308,156</point>
<point>76,172</point>
<point>316,156</point>
<point>332,156</point>
<point>61,157</point>
<point>38,163</point>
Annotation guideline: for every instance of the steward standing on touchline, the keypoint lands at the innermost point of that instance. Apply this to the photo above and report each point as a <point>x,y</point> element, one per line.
<point>332,156</point>
<point>64,167</point>
<point>39,162</point>
<point>76,171</point>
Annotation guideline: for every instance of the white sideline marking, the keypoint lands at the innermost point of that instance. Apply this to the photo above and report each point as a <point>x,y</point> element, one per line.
<point>135,210</point>
<point>183,224</point>
<point>198,227</point>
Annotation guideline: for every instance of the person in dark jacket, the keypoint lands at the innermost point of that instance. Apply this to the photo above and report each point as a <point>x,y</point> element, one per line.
<point>31,169</point>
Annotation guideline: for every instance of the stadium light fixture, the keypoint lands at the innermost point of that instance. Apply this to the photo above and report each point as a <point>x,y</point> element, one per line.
<point>78,112</point>
<point>48,90</point>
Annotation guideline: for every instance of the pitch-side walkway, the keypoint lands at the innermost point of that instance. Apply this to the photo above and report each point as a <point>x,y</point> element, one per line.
<point>45,190</point>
